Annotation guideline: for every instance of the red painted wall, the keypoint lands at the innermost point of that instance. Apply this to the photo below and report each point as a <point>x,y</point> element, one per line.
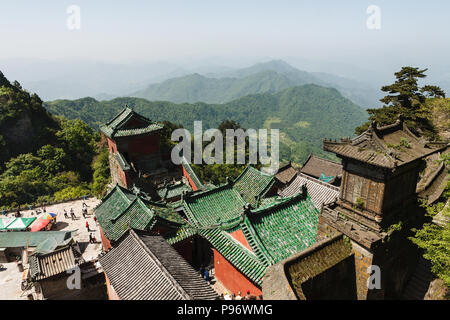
<point>111,146</point>
<point>191,183</point>
<point>239,236</point>
<point>105,241</point>
<point>112,294</point>
<point>123,177</point>
<point>143,145</point>
<point>231,278</point>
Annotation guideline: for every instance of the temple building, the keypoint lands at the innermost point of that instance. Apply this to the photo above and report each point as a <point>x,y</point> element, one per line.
<point>376,209</point>
<point>134,147</point>
<point>322,169</point>
<point>157,271</point>
<point>303,233</point>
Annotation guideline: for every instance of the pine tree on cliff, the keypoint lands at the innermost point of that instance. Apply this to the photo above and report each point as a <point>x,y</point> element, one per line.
<point>405,97</point>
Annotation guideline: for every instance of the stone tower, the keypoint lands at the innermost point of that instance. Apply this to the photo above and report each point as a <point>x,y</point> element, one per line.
<point>377,204</point>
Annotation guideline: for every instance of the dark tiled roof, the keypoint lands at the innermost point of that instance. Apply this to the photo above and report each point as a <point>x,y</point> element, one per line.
<point>315,166</point>
<point>319,191</point>
<point>33,239</point>
<point>284,281</point>
<point>118,126</point>
<point>52,264</point>
<point>436,187</point>
<point>146,267</point>
<point>252,183</point>
<point>286,174</point>
<point>388,146</point>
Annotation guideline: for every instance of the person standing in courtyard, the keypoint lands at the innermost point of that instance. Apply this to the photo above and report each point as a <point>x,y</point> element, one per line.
<point>87,226</point>
<point>72,214</point>
<point>65,214</point>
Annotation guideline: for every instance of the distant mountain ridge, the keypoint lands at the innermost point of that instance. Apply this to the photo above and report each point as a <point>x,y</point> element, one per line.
<point>269,77</point>
<point>303,114</point>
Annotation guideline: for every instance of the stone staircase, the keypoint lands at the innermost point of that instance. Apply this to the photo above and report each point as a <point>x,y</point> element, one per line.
<point>420,281</point>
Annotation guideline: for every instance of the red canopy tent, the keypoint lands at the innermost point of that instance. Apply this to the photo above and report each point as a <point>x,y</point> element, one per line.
<point>42,221</point>
<point>39,224</point>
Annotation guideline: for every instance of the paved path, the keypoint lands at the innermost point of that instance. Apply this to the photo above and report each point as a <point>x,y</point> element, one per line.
<point>90,250</point>
<point>10,280</point>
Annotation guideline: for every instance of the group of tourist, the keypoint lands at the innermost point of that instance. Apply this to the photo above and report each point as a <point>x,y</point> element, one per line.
<point>248,296</point>
<point>84,212</point>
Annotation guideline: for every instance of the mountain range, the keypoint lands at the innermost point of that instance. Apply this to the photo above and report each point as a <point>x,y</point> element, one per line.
<point>304,114</point>
<point>269,77</point>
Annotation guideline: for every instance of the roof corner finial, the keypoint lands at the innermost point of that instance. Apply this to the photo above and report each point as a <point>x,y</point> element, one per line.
<point>247,208</point>
<point>304,189</point>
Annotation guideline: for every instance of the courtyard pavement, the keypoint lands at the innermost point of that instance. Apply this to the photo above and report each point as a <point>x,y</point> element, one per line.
<point>89,250</point>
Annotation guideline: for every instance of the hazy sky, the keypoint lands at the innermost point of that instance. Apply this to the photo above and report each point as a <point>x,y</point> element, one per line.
<point>412,32</point>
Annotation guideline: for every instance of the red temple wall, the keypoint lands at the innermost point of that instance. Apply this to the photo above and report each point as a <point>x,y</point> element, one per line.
<point>239,236</point>
<point>112,294</point>
<point>144,144</point>
<point>231,278</point>
<point>111,146</point>
<point>123,177</point>
<point>191,183</point>
<point>105,241</point>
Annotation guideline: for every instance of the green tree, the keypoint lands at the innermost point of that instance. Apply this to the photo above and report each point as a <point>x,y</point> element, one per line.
<point>78,141</point>
<point>101,176</point>
<point>406,98</point>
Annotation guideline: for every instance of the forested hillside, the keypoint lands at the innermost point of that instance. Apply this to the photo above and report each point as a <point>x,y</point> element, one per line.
<point>44,157</point>
<point>304,115</point>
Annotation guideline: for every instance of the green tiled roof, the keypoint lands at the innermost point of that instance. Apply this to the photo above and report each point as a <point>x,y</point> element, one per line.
<point>239,256</point>
<point>33,239</point>
<point>166,213</point>
<point>215,206</point>
<point>180,234</point>
<point>117,126</point>
<point>120,210</point>
<point>280,230</point>
<point>172,191</point>
<point>252,183</point>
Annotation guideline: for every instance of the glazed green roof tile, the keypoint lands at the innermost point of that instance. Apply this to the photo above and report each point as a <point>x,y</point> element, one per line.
<point>164,212</point>
<point>116,127</point>
<point>17,239</point>
<point>239,256</point>
<point>212,207</point>
<point>120,210</point>
<point>180,234</point>
<point>282,229</point>
<point>252,183</point>
<point>172,191</point>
